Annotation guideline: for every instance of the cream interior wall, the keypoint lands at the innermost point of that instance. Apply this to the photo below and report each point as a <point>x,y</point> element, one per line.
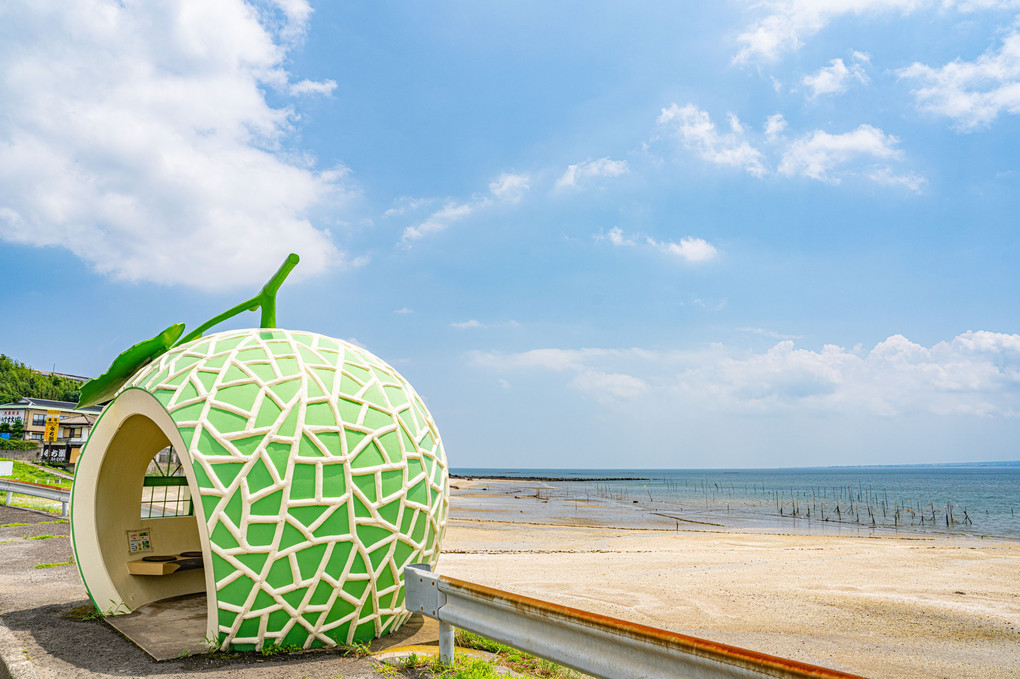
<point>119,493</point>
<point>107,503</point>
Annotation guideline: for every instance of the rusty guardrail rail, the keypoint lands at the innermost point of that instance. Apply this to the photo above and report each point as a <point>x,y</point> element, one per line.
<point>594,644</point>
<point>61,495</point>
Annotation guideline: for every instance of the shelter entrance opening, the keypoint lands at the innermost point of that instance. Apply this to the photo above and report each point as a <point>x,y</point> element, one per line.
<point>136,525</point>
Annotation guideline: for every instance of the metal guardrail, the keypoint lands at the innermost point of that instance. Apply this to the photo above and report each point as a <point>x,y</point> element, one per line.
<point>61,495</point>
<point>594,644</point>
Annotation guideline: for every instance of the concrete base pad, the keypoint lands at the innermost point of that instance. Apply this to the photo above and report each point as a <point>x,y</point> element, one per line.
<point>172,628</point>
<point>166,629</point>
<point>417,631</point>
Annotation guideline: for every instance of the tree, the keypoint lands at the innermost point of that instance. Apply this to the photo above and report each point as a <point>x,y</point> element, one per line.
<point>19,381</point>
<point>17,429</point>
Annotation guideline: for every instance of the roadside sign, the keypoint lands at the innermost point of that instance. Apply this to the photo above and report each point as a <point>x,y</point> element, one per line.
<point>52,425</point>
<point>9,416</point>
<point>6,467</point>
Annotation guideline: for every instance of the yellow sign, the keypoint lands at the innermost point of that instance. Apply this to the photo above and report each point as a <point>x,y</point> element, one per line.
<point>52,425</point>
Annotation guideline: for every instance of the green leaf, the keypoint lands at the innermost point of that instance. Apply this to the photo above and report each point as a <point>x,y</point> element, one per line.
<point>106,386</point>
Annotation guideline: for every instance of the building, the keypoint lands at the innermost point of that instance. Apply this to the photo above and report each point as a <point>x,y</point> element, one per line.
<point>75,425</point>
<point>74,431</point>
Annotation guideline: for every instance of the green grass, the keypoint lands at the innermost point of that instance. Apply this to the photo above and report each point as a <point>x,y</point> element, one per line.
<point>84,612</point>
<point>42,537</point>
<point>357,649</point>
<point>30,474</point>
<point>518,661</point>
<point>279,649</point>
<point>43,523</point>
<point>464,667</point>
<point>38,503</point>
<point>51,565</point>
<point>12,525</point>
<point>424,666</point>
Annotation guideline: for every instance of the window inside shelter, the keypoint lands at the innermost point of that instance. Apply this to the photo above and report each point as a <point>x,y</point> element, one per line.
<point>165,491</point>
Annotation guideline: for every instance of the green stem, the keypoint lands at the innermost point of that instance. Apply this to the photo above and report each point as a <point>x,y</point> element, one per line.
<point>270,289</point>
<point>266,300</point>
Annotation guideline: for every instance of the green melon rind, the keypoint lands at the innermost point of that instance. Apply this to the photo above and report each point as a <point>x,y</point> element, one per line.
<point>322,475</point>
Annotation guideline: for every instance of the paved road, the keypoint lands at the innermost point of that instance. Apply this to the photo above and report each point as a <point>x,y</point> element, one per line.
<point>33,602</point>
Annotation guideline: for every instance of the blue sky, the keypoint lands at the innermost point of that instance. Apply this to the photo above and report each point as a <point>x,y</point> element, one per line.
<point>591,234</point>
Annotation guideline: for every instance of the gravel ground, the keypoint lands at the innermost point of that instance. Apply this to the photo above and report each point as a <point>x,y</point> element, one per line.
<point>33,626</point>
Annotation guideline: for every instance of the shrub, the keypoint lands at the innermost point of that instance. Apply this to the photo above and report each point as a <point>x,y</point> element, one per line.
<point>11,444</point>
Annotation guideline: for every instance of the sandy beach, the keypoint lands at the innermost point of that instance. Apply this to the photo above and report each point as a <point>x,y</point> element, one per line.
<point>880,604</point>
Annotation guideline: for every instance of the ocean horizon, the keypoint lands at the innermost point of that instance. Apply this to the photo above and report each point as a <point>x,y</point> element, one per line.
<point>977,499</point>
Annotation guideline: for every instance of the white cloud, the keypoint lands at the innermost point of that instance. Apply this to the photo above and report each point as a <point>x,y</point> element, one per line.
<point>507,188</point>
<point>735,125</point>
<point>820,155</point>
<point>817,154</point>
<point>836,78</point>
<point>438,221</point>
<point>580,174</point>
<point>787,23</point>
<point>475,324</point>
<point>768,333</point>
<point>607,386</point>
<point>689,249</point>
<point>138,136</point>
<point>696,131</point>
<point>293,22</point>
<point>774,126</point>
<point>614,236</point>
<point>976,373</point>
<point>313,87</point>
<point>406,204</point>
<point>510,187</point>
<point>887,177</point>
<point>971,93</point>
<point>403,311</point>
<point>601,384</point>
<point>556,360</point>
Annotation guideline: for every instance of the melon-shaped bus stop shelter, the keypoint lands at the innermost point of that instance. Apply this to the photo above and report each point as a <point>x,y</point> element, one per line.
<point>310,473</point>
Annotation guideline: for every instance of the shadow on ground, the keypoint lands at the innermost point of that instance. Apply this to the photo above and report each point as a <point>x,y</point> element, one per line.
<point>93,646</point>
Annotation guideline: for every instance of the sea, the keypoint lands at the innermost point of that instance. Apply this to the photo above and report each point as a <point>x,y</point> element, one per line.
<point>977,500</point>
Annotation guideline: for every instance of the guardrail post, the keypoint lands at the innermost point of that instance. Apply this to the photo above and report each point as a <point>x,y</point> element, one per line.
<point>446,632</point>
<point>422,595</point>
<point>63,507</point>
